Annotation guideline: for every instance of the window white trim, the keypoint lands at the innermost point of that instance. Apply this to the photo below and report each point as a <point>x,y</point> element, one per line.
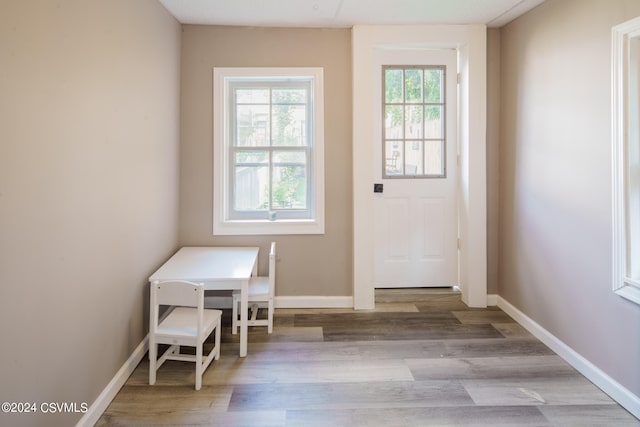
<point>625,134</point>
<point>222,224</point>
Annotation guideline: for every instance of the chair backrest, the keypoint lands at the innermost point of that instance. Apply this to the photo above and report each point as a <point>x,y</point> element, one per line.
<point>272,269</point>
<point>176,293</point>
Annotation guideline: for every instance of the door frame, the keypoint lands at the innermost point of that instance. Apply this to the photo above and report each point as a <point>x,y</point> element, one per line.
<point>470,42</point>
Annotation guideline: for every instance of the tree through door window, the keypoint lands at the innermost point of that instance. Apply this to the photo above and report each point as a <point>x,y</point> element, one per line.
<point>414,121</point>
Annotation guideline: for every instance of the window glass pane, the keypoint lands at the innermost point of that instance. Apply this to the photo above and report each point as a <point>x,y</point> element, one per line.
<point>433,158</point>
<point>289,187</point>
<point>289,125</point>
<point>393,158</point>
<point>413,158</point>
<point>289,96</point>
<point>413,85</point>
<point>252,96</point>
<point>252,125</point>
<point>413,121</point>
<point>298,157</point>
<point>433,86</point>
<point>251,157</point>
<point>393,86</point>
<point>393,122</point>
<point>251,190</point>
<point>433,123</point>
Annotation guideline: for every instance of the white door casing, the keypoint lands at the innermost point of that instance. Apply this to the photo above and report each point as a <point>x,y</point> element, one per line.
<point>471,44</point>
<point>416,228</point>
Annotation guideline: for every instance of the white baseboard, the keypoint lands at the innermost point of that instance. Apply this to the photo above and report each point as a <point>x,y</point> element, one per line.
<point>615,390</point>
<point>101,403</point>
<point>313,302</point>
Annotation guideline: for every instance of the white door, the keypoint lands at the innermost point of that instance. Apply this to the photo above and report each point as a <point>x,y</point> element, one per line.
<point>415,143</point>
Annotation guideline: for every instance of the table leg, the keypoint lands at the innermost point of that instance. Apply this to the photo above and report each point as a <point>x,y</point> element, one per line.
<point>244,308</point>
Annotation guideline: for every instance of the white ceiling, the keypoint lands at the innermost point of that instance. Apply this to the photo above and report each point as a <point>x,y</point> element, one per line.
<point>346,13</point>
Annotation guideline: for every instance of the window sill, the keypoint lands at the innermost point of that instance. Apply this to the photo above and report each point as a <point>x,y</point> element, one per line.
<point>630,292</point>
<point>266,227</point>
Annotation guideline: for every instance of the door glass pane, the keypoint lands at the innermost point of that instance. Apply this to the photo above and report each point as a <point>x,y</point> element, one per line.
<point>433,158</point>
<point>433,86</point>
<point>252,125</point>
<point>413,121</point>
<point>413,85</point>
<point>413,158</point>
<point>433,123</point>
<point>393,86</point>
<point>393,122</point>
<point>394,163</point>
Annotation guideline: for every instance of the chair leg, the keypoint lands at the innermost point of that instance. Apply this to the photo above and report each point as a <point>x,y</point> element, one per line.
<point>218,332</point>
<point>153,350</point>
<point>270,316</point>
<point>199,366</point>
<point>234,316</point>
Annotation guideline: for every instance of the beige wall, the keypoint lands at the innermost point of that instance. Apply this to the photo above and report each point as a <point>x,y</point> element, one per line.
<point>493,157</point>
<point>89,133</point>
<point>555,180</point>
<point>308,265</point>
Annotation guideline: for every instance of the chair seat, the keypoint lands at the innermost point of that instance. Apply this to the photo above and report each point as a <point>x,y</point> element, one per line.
<point>182,321</point>
<point>258,288</point>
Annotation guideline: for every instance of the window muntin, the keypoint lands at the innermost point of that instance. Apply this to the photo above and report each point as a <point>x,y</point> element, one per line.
<point>414,121</point>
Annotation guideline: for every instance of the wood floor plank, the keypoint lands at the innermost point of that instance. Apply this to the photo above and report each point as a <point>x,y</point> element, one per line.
<point>317,372</point>
<point>495,368</point>
<point>589,416</point>
<point>406,394</point>
<point>416,332</point>
<point>469,416</point>
<point>535,391</point>
<point>482,317</point>
<point>376,319</point>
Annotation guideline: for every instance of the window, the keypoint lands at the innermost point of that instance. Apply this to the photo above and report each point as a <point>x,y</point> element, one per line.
<point>268,151</point>
<point>626,159</point>
<point>414,122</point>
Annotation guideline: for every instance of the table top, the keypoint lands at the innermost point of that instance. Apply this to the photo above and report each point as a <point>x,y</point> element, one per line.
<point>206,264</point>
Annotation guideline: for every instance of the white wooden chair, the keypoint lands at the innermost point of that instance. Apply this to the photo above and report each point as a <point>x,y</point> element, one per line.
<point>187,323</point>
<point>261,291</point>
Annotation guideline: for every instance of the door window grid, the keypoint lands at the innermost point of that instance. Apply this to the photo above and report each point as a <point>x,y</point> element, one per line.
<point>413,121</point>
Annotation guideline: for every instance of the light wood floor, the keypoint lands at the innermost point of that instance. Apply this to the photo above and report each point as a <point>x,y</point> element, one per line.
<point>421,358</point>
